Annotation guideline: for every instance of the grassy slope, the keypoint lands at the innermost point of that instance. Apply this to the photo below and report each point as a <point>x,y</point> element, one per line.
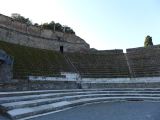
<point>32,61</point>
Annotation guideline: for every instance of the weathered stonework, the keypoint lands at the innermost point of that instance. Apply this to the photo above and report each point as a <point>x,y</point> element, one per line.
<point>5,73</point>
<point>31,36</point>
<point>5,67</point>
<point>23,85</point>
<point>119,85</point>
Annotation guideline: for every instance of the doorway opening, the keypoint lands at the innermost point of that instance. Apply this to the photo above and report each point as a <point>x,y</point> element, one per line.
<point>61,49</point>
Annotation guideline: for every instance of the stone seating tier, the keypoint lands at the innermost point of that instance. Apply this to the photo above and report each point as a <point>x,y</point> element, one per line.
<point>28,104</point>
<point>144,62</point>
<point>138,62</point>
<point>100,65</point>
<point>38,62</point>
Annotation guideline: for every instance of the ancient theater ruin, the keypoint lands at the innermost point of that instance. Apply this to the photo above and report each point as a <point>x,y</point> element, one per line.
<point>43,71</point>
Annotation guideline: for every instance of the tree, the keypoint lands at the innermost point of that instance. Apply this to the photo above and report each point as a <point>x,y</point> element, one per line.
<point>148,41</point>
<point>58,27</point>
<point>50,26</point>
<point>45,26</point>
<point>68,30</point>
<point>21,19</point>
<point>36,24</point>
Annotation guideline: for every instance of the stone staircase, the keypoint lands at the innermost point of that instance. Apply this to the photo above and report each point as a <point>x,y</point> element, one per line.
<point>28,104</point>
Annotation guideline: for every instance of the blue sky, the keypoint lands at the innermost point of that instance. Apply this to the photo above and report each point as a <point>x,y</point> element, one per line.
<point>104,24</point>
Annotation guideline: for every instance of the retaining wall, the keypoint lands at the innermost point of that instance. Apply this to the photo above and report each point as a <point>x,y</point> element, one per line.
<point>24,85</point>
<point>32,36</point>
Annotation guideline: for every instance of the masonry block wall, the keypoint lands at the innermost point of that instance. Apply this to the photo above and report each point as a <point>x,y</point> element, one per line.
<point>19,33</point>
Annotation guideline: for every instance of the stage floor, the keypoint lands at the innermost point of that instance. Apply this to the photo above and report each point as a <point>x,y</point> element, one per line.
<point>131,110</point>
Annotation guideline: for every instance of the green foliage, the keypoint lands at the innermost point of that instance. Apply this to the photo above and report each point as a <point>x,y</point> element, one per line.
<point>21,19</point>
<point>58,27</point>
<point>148,41</point>
<point>50,26</point>
<point>69,30</point>
<point>45,26</point>
<point>36,24</point>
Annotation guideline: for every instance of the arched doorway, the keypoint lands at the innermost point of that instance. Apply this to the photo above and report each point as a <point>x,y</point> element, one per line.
<point>61,49</point>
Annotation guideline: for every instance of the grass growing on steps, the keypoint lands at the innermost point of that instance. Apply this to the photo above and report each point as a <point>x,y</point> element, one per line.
<point>32,61</point>
<point>100,65</point>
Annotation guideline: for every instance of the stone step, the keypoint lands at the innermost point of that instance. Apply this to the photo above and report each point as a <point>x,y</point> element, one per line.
<point>41,96</point>
<point>37,102</point>
<point>32,111</point>
<point>54,95</point>
<point>23,93</point>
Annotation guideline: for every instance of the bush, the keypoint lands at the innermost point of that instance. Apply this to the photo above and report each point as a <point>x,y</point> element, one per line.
<point>21,19</point>
<point>148,41</point>
<point>50,26</point>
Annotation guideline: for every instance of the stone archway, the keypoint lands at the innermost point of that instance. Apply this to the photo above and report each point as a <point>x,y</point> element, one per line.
<point>61,49</point>
<point>5,67</point>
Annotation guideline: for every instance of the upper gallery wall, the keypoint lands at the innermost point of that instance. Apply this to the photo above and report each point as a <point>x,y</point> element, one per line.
<point>19,33</point>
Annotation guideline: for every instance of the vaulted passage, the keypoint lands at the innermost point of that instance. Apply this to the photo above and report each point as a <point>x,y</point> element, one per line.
<point>61,49</point>
<point>1,62</point>
<point>5,67</point>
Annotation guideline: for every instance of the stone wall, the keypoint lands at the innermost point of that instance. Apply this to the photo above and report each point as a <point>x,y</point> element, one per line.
<point>139,82</point>
<point>143,49</point>
<point>65,76</point>
<point>5,73</point>
<point>119,85</point>
<point>23,85</point>
<point>122,80</point>
<point>19,33</point>
<point>105,52</point>
<point>6,63</point>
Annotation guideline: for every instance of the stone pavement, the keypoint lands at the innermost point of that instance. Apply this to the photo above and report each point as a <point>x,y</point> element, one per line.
<point>109,111</point>
<point>3,118</point>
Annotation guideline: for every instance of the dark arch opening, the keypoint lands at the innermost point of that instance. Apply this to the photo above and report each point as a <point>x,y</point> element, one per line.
<point>1,62</point>
<point>61,49</point>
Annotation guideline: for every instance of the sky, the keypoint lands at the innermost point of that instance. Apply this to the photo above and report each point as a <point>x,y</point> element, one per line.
<point>104,24</point>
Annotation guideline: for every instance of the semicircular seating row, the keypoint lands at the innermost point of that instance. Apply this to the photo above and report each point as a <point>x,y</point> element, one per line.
<point>143,62</point>
<point>29,104</point>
